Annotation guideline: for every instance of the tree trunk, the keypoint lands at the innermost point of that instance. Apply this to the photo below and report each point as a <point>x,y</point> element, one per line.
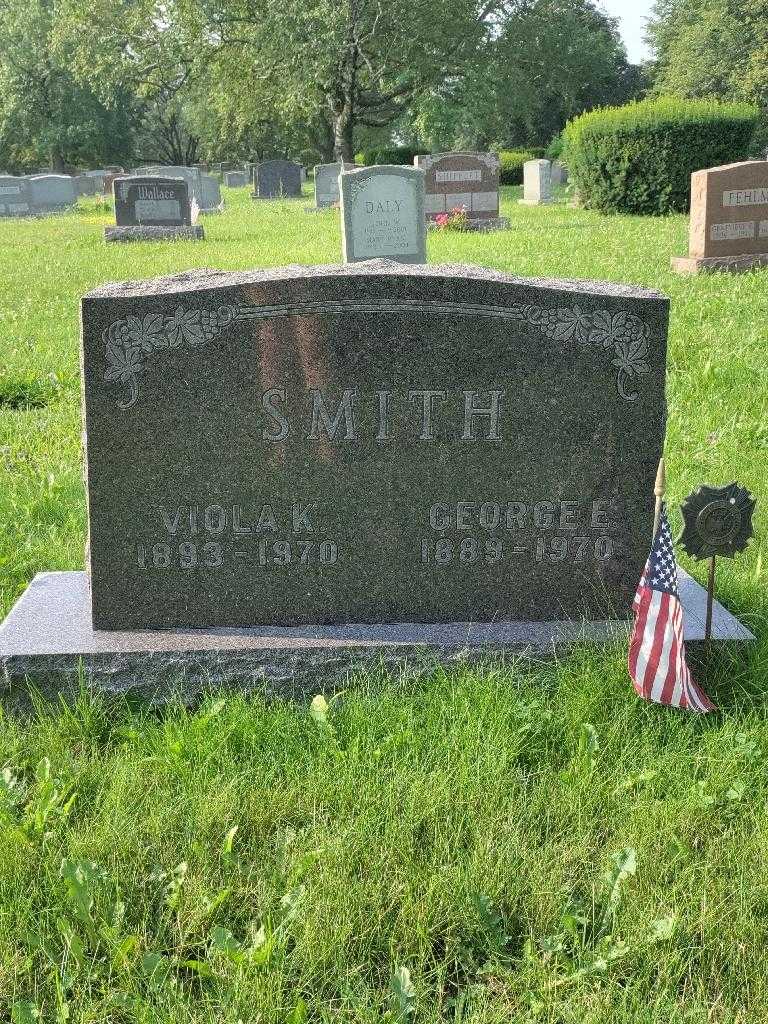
<point>343,130</point>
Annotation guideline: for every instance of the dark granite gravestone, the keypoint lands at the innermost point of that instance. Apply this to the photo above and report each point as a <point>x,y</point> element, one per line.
<point>15,198</point>
<point>468,181</point>
<point>277,179</point>
<point>149,207</point>
<point>369,443</point>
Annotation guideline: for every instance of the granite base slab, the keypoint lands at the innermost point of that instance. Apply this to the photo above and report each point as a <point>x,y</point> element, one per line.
<point>729,264</point>
<point>488,224</point>
<point>154,233</point>
<point>48,641</point>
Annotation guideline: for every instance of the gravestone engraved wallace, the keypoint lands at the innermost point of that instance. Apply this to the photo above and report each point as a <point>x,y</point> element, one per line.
<point>468,180</point>
<point>150,207</point>
<point>277,179</point>
<point>191,175</point>
<point>729,218</point>
<point>15,198</point>
<point>327,183</point>
<point>382,214</point>
<point>537,183</point>
<point>371,443</point>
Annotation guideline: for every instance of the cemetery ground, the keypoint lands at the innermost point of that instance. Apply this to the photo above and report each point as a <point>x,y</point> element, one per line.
<point>527,843</point>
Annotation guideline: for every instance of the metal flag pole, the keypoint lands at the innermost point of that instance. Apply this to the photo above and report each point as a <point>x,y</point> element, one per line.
<point>658,489</point>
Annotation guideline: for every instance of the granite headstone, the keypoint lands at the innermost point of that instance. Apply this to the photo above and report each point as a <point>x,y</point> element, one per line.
<point>729,218</point>
<point>537,183</point>
<point>369,444</point>
<point>210,193</point>
<point>52,193</point>
<point>464,180</point>
<point>15,198</point>
<point>327,183</point>
<point>235,179</point>
<point>383,214</point>
<point>150,207</point>
<point>277,179</point>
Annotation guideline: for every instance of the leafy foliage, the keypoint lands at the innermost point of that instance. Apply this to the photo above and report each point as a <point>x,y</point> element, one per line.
<point>512,161</point>
<point>639,158</point>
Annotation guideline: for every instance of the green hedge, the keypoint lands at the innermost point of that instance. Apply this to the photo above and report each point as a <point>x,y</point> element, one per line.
<point>391,155</point>
<point>639,158</point>
<point>512,160</point>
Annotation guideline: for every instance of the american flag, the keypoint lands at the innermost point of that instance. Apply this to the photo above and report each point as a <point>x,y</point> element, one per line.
<point>657,662</point>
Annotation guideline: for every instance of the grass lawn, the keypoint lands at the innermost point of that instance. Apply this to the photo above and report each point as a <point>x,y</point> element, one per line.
<point>523,844</point>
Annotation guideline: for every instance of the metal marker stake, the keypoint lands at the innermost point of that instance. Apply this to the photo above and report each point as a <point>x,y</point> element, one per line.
<point>658,489</point>
<point>710,604</point>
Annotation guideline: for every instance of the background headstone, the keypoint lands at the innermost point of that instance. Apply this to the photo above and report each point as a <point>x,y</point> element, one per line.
<point>210,191</point>
<point>327,183</point>
<point>469,180</point>
<point>235,179</point>
<point>15,199</point>
<point>559,173</point>
<point>383,214</point>
<point>85,185</point>
<point>277,179</point>
<point>537,182</point>
<point>729,218</point>
<point>370,443</point>
<point>150,207</point>
<point>52,193</point>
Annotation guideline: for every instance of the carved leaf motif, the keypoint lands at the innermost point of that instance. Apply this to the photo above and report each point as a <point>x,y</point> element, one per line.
<point>572,324</point>
<point>124,362</point>
<point>183,326</point>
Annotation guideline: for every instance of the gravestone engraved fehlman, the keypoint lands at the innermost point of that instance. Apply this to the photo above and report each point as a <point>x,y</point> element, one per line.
<point>153,207</point>
<point>368,444</point>
<point>277,179</point>
<point>353,465</point>
<point>729,218</point>
<point>327,183</point>
<point>15,199</point>
<point>537,183</point>
<point>383,214</point>
<point>468,180</point>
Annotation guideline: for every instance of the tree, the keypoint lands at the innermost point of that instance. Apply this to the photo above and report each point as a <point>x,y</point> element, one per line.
<point>359,62</point>
<point>46,114</point>
<point>547,61</point>
<point>712,48</point>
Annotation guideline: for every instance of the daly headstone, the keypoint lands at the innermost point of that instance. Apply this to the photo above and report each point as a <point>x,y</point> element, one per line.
<point>15,199</point>
<point>52,193</point>
<point>277,179</point>
<point>382,211</point>
<point>537,183</point>
<point>149,207</point>
<point>729,218</point>
<point>327,183</point>
<point>351,465</point>
<point>468,181</point>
